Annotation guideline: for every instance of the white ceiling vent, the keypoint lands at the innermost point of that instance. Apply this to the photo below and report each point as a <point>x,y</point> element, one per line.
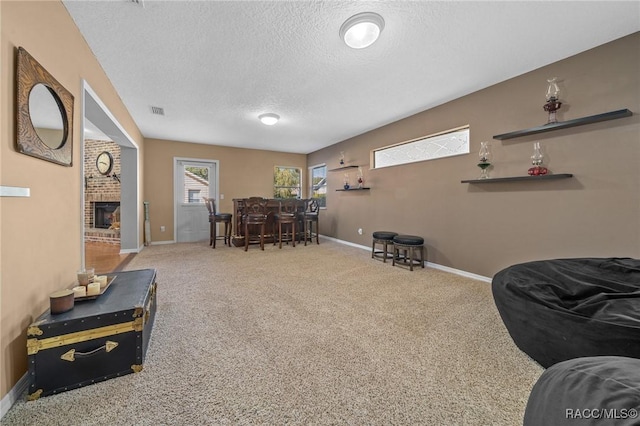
<point>157,110</point>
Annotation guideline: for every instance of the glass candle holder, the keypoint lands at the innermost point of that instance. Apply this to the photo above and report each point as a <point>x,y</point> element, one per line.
<point>552,89</point>
<point>484,159</point>
<point>552,105</point>
<point>536,160</point>
<point>83,277</point>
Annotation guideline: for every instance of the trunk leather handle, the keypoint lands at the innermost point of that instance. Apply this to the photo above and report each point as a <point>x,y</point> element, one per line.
<point>71,354</point>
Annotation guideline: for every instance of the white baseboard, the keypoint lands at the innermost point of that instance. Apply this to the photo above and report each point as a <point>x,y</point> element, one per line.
<point>429,264</point>
<point>128,251</point>
<point>459,272</point>
<point>347,243</point>
<point>158,243</point>
<point>13,395</point>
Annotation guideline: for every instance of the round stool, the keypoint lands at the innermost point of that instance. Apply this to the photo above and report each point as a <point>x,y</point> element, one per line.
<point>409,244</point>
<point>385,238</point>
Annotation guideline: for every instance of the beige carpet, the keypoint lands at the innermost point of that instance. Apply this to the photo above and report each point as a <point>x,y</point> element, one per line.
<point>311,335</point>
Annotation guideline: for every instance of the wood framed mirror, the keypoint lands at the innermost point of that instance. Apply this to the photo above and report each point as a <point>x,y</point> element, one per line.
<point>44,113</point>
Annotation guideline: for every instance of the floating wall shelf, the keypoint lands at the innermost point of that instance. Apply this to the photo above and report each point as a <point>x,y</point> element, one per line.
<point>520,178</point>
<point>364,188</point>
<point>348,168</point>
<point>613,115</point>
<point>343,168</point>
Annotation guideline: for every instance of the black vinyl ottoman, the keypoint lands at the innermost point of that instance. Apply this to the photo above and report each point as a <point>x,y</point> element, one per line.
<point>591,391</point>
<point>561,309</point>
<point>408,244</point>
<point>384,238</point>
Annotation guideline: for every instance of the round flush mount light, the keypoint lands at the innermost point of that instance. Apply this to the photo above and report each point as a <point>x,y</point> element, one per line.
<point>362,30</point>
<point>269,118</point>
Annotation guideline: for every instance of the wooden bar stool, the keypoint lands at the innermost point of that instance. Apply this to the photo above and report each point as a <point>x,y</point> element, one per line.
<point>255,214</point>
<point>226,219</point>
<point>310,216</point>
<point>408,244</point>
<point>214,219</point>
<point>288,216</point>
<point>386,239</point>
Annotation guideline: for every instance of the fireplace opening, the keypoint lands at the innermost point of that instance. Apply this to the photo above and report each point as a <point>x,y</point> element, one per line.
<point>106,214</point>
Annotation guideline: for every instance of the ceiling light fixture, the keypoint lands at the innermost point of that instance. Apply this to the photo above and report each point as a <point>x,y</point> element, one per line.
<point>362,30</point>
<point>269,118</point>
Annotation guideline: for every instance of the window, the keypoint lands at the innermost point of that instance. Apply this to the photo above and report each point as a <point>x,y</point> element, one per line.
<point>445,144</point>
<point>195,183</point>
<point>287,182</point>
<point>194,195</point>
<point>319,184</point>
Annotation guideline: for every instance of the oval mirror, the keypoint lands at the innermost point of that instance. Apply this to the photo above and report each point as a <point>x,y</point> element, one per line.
<point>47,116</point>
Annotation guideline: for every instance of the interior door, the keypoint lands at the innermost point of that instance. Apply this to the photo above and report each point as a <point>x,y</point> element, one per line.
<point>194,181</point>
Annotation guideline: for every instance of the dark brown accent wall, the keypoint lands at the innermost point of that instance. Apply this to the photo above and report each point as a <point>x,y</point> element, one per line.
<point>484,228</point>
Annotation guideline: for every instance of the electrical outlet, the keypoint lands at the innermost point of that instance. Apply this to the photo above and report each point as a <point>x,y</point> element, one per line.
<point>222,196</point>
<point>360,231</point>
<point>162,228</point>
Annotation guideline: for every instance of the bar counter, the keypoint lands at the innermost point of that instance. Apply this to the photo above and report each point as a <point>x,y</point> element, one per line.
<point>271,230</point>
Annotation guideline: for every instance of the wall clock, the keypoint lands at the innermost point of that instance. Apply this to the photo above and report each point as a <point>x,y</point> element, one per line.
<point>104,163</point>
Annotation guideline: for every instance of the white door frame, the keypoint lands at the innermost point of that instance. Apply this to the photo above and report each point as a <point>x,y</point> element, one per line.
<point>177,191</point>
<point>94,110</point>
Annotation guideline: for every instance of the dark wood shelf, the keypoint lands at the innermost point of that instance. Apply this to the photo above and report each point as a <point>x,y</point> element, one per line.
<point>613,115</point>
<point>343,168</point>
<point>364,188</point>
<point>520,178</point>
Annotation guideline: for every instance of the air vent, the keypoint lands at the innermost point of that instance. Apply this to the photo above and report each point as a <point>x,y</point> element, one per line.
<point>157,110</point>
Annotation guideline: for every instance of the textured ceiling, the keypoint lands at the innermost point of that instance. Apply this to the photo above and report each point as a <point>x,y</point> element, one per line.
<point>214,66</point>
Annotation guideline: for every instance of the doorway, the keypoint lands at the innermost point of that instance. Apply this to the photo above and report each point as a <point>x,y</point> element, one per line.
<point>194,180</point>
<point>97,114</point>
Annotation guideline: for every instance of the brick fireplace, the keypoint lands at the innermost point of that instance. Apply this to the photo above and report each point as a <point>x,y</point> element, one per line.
<point>101,194</point>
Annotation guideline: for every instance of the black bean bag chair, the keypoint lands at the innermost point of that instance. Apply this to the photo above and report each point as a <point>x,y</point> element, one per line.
<point>561,309</point>
<point>592,391</point>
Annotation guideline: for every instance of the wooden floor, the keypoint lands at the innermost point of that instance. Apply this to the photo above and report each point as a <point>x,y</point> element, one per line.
<point>105,257</point>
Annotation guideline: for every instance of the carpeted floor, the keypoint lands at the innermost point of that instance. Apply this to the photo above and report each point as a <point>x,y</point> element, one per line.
<point>311,335</point>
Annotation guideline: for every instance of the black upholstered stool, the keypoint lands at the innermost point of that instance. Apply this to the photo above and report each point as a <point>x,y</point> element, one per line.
<point>214,219</point>
<point>386,239</point>
<point>226,219</point>
<point>408,244</point>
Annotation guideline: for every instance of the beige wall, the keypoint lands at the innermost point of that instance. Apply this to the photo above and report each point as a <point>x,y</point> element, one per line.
<point>242,173</point>
<point>484,228</point>
<point>40,236</point>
